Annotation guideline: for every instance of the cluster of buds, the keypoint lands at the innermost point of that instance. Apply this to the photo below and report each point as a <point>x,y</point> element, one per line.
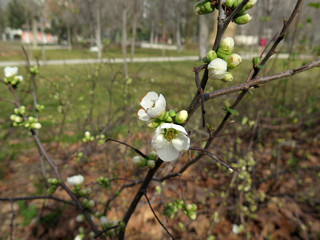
<point>222,61</point>
<point>34,70</point>
<point>39,107</point>
<point>242,17</point>
<point>19,119</point>
<point>204,7</point>
<point>103,221</point>
<point>188,209</point>
<point>11,77</point>
<point>101,138</point>
<point>87,137</point>
<point>149,162</point>
<point>86,203</point>
<point>54,183</point>
<point>170,137</point>
<point>104,182</point>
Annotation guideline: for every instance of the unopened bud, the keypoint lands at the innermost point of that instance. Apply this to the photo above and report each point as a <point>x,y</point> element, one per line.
<point>172,113</point>
<point>87,134</point>
<point>242,19</point>
<point>233,60</point>
<point>36,125</point>
<point>211,55</point>
<point>181,117</point>
<point>203,7</point>
<point>227,77</point>
<point>227,45</point>
<point>151,164</point>
<point>139,161</point>
<point>152,156</point>
<point>217,68</point>
<point>229,3</point>
<point>153,124</point>
<point>80,218</point>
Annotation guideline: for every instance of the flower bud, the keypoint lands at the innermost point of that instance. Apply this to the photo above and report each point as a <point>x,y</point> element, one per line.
<point>227,45</point>
<point>53,181</point>
<point>233,60</point>
<point>153,124</point>
<point>151,164</point>
<point>217,68</point>
<point>80,218</point>
<point>242,19</point>
<point>13,117</point>
<point>250,4</point>
<point>181,117</point>
<point>227,77</point>
<point>229,3</point>
<point>203,7</point>
<point>18,119</point>
<point>172,113</point>
<point>103,220</point>
<point>152,155</point>
<point>87,134</point>
<point>192,215</point>
<point>36,125</point>
<point>91,203</point>
<point>211,55</point>
<point>139,161</point>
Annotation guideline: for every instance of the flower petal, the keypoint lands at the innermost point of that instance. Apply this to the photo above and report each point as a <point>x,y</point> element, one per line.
<point>181,143</point>
<point>179,128</point>
<point>168,153</point>
<point>142,115</point>
<point>148,100</point>
<point>158,141</point>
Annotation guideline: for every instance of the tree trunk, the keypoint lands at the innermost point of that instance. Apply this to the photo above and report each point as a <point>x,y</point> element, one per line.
<point>34,32</point>
<point>69,36</point>
<point>203,36</point>
<point>98,30</point>
<point>134,30</point>
<point>124,39</point>
<point>43,38</point>
<point>178,34</point>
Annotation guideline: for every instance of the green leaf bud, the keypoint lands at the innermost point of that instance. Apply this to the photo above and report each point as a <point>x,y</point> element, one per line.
<point>153,124</point>
<point>54,181</point>
<point>211,55</point>
<point>242,19</point>
<point>192,215</point>
<point>36,125</point>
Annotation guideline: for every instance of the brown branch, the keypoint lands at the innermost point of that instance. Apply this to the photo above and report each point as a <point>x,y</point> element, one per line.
<point>259,81</point>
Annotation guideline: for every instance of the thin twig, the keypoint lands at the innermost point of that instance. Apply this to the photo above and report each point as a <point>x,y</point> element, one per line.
<point>133,148</point>
<point>145,194</point>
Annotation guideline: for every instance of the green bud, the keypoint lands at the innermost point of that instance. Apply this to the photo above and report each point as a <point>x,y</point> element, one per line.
<point>51,190</point>
<point>229,3</point>
<point>13,117</point>
<point>222,54</point>
<point>203,7</point>
<point>172,113</point>
<point>242,19</point>
<point>54,181</point>
<point>181,117</point>
<point>151,164</point>
<point>211,55</point>
<point>36,125</point>
<point>153,124</point>
<point>227,78</point>
<point>152,155</point>
<point>169,119</point>
<point>164,116</point>
<point>139,161</point>
<point>192,215</point>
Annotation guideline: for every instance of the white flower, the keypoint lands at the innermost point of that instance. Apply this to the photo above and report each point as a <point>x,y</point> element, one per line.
<point>19,78</point>
<point>217,68</point>
<point>235,229</point>
<point>153,106</point>
<point>10,71</point>
<point>169,140</point>
<point>79,237</point>
<point>75,180</point>
<point>103,220</point>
